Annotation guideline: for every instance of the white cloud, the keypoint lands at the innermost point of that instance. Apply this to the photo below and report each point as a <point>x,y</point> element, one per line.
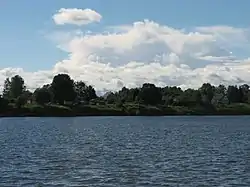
<point>221,29</point>
<point>76,16</point>
<point>130,55</point>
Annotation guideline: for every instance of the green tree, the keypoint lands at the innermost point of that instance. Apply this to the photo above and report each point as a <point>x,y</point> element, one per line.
<point>27,95</point>
<point>21,101</point>
<point>128,95</point>
<point>90,93</point>
<point>80,88</point>
<point>63,88</point>
<point>123,95</point>
<point>6,89</point>
<point>84,92</point>
<point>3,104</point>
<point>110,97</point>
<point>171,95</point>
<point>42,96</point>
<point>244,93</point>
<point>17,87</point>
<point>207,91</point>
<point>233,94</point>
<point>190,97</point>
<point>220,95</point>
<point>133,95</point>
<point>150,94</point>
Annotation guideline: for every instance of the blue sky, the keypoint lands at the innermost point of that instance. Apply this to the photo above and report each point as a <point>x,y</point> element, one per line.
<point>22,22</point>
<point>26,25</point>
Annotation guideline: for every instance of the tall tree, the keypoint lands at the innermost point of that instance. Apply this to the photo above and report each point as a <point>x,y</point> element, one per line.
<point>91,93</point>
<point>63,88</point>
<point>14,87</point>
<point>6,88</point>
<point>220,95</point>
<point>17,86</point>
<point>244,93</point>
<point>207,91</point>
<point>150,94</point>
<point>80,88</point>
<point>84,92</point>
<point>233,94</point>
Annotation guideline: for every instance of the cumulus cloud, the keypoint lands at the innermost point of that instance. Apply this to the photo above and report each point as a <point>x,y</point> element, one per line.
<point>145,51</point>
<point>76,16</point>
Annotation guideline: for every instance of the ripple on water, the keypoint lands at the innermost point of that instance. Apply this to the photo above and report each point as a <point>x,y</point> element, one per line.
<point>131,151</point>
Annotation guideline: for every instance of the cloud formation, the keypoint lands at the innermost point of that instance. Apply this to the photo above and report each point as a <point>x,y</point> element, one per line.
<point>76,16</point>
<point>145,51</point>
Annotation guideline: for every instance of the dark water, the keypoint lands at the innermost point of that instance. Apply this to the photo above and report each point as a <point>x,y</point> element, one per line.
<point>125,151</point>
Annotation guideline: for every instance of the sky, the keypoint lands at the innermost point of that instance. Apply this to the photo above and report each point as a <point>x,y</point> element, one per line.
<point>115,43</point>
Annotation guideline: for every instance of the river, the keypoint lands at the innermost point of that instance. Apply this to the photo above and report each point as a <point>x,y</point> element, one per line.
<point>125,151</point>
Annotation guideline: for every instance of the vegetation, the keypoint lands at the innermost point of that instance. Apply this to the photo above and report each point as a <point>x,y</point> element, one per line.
<point>66,97</point>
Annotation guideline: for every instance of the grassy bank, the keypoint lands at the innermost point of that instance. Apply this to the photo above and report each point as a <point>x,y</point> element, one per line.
<point>124,110</point>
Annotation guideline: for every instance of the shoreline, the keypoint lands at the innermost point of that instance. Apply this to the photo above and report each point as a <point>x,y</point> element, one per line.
<point>117,115</point>
<point>71,116</point>
<point>32,110</point>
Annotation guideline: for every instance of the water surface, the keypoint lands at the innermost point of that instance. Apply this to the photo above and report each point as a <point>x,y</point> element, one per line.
<point>125,151</point>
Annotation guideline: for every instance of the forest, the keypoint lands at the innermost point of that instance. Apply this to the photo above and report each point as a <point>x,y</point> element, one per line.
<point>66,97</point>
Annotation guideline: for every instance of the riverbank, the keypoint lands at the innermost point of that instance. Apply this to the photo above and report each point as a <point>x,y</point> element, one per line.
<point>31,110</point>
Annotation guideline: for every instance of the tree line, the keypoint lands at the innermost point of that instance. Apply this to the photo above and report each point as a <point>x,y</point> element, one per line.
<point>63,90</point>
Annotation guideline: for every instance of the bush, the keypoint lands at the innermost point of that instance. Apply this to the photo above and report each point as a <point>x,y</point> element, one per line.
<point>3,104</point>
<point>21,101</point>
<point>42,96</point>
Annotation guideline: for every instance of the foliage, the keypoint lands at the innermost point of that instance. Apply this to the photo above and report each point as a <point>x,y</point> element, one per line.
<point>207,91</point>
<point>150,94</point>
<point>190,97</point>
<point>21,101</point>
<point>14,87</point>
<point>66,96</point>
<point>42,95</point>
<point>63,88</point>
<point>6,88</point>
<point>233,94</point>
<point>170,95</point>
<point>3,104</point>
<point>84,92</point>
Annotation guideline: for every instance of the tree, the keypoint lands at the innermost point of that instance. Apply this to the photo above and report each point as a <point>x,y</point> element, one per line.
<point>42,96</point>
<point>244,93</point>
<point>91,93</point>
<point>16,87</point>
<point>63,88</point>
<point>233,94</point>
<point>207,91</point>
<point>80,88</point>
<point>190,97</point>
<point>84,92</point>
<point>133,94</point>
<point>150,94</point>
<point>20,101</point>
<point>27,95</point>
<point>110,97</point>
<point>6,89</point>
<point>171,95</point>
<point>220,93</point>
<point>123,95</point>
<point>3,104</point>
